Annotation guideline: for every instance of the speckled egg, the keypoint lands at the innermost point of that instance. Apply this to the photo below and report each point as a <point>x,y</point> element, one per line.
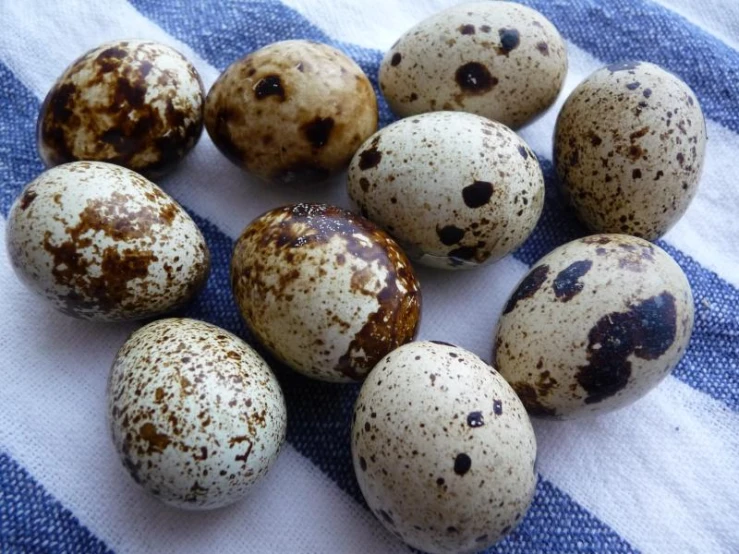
<point>456,190</point>
<point>134,103</point>
<point>629,149</point>
<point>295,110</point>
<point>443,449</point>
<point>197,416</point>
<point>500,60</point>
<point>594,326</point>
<point>101,242</point>
<point>326,291</point>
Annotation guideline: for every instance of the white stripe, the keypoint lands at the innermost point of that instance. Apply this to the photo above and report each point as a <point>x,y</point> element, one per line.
<point>52,408</point>
<point>716,17</point>
<point>662,472</point>
<point>707,232</point>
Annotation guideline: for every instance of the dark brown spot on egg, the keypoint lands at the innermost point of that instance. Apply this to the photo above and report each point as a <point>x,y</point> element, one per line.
<point>28,197</point>
<point>633,86</point>
<point>474,78</point>
<point>475,419</point>
<point>369,158</point>
<point>543,48</point>
<point>477,194</point>
<point>462,464</point>
<point>156,441</point>
<point>395,60</point>
<point>270,85</point>
<point>462,255</point>
<point>528,287</point>
<point>364,184</point>
<point>509,40</point>
<point>531,401</point>
<point>647,92</point>
<point>467,29</point>
<point>567,283</point>
<point>450,234</point>
<point>646,330</point>
<point>523,152</point>
<point>363,463</point>
<point>318,131</point>
<point>498,407</point>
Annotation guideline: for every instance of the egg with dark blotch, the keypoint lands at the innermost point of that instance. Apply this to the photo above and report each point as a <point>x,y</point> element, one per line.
<point>443,449</point>
<point>594,326</point>
<point>456,190</point>
<point>102,242</point>
<point>501,60</point>
<point>293,111</point>
<point>197,416</point>
<point>326,291</point>
<point>629,149</point>
<point>134,103</point>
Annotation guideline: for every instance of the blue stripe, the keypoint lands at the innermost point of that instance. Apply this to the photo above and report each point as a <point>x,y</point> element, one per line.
<point>712,365</point>
<point>32,521</point>
<point>618,30</point>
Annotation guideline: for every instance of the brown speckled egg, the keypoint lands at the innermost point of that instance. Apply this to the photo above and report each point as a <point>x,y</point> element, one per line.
<point>326,291</point>
<point>101,242</point>
<point>295,110</point>
<point>500,60</point>
<point>594,326</point>
<point>443,449</point>
<point>629,149</point>
<point>456,190</point>
<point>196,414</point>
<point>134,103</point>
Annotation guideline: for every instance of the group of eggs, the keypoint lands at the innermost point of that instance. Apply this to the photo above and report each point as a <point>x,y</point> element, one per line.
<point>442,445</point>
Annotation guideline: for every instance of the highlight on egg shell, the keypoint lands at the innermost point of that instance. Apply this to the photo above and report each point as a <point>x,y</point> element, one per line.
<point>293,111</point>
<point>629,148</point>
<point>456,190</point>
<point>135,103</point>
<point>594,326</point>
<point>501,60</point>
<point>323,289</point>
<point>101,242</point>
<point>443,449</point>
<point>197,416</point>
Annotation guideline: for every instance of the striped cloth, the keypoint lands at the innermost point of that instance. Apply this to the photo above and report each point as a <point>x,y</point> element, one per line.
<point>659,476</point>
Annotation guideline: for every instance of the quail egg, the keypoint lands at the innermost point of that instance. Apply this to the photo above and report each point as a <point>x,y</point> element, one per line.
<point>196,415</point>
<point>135,103</point>
<point>294,110</point>
<point>102,242</point>
<point>594,326</point>
<point>500,60</point>
<point>443,449</point>
<point>326,291</point>
<point>454,189</point>
<point>629,148</point>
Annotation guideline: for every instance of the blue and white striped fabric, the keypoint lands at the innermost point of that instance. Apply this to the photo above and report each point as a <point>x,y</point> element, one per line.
<point>659,476</point>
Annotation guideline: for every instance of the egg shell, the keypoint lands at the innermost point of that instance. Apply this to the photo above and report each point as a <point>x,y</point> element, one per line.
<point>135,103</point>
<point>326,291</point>
<point>629,149</point>
<point>500,60</point>
<point>594,326</point>
<point>443,449</point>
<point>102,242</point>
<point>196,415</point>
<point>294,110</point>
<point>456,190</point>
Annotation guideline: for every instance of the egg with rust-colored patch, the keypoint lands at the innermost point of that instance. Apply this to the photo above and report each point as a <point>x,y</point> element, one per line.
<point>629,148</point>
<point>326,291</point>
<point>102,242</point>
<point>456,190</point>
<point>594,326</point>
<point>197,416</point>
<point>501,60</point>
<point>293,111</point>
<point>134,103</point>
<point>443,449</point>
